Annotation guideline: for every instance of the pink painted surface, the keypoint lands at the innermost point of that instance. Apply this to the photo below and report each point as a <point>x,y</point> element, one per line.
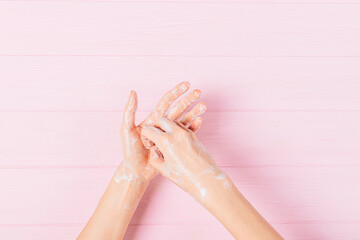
<point>282,83</point>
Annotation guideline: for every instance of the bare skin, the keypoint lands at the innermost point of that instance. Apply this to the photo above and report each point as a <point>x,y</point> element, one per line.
<point>117,205</point>
<point>187,163</point>
<point>168,145</point>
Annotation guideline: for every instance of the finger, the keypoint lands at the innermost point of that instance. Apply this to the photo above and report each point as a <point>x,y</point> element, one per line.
<point>181,125</point>
<point>129,112</point>
<point>166,124</point>
<point>184,104</point>
<point>195,112</point>
<point>157,151</point>
<point>171,96</point>
<point>152,133</point>
<point>146,142</point>
<point>156,160</point>
<point>196,124</point>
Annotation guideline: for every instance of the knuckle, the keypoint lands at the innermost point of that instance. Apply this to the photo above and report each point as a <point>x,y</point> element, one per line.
<point>192,134</point>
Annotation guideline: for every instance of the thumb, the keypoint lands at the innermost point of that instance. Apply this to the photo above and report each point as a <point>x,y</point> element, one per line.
<point>129,112</point>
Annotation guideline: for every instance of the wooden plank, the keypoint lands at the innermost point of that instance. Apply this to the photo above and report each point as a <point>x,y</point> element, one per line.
<point>149,232</point>
<point>290,195</point>
<point>165,28</point>
<point>89,139</point>
<point>104,83</point>
<point>300,231</point>
<point>210,1</point>
<point>36,232</point>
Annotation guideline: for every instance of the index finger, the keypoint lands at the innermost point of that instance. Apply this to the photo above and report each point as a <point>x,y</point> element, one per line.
<point>183,104</point>
<point>171,96</point>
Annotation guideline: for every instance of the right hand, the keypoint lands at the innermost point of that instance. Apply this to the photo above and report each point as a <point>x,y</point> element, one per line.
<point>185,161</point>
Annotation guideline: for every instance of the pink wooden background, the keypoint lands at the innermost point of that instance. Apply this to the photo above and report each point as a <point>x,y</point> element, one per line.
<point>282,83</point>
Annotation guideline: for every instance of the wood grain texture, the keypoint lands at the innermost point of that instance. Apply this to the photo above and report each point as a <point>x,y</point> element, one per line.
<point>104,83</point>
<point>89,139</point>
<point>282,194</point>
<point>281,80</point>
<point>206,1</point>
<point>150,232</point>
<point>315,231</point>
<point>291,195</point>
<point>158,28</point>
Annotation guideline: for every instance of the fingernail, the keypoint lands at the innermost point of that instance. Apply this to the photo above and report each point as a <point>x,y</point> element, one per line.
<point>202,107</point>
<point>185,85</point>
<point>197,92</point>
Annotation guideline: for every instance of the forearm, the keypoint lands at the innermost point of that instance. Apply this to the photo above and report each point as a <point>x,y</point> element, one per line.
<point>232,209</point>
<point>116,207</point>
<point>187,163</point>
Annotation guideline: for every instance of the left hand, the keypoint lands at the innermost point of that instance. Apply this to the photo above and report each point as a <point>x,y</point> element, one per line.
<point>136,154</point>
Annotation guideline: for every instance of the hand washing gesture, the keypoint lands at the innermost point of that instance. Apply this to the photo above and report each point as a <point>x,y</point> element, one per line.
<point>117,205</point>
<point>185,161</point>
<point>180,157</point>
<point>135,149</point>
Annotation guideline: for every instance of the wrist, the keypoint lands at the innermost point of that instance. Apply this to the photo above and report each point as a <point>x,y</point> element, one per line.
<point>126,189</point>
<point>210,183</point>
<point>124,172</point>
<point>219,185</point>
<point>220,190</point>
<point>223,199</point>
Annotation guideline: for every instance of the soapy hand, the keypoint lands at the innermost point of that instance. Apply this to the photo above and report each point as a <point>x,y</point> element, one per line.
<point>184,160</point>
<point>191,119</point>
<point>136,149</point>
<point>179,156</point>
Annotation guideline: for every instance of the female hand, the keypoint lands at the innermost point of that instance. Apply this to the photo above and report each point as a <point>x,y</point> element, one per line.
<point>185,161</point>
<point>136,154</point>
<point>190,166</point>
